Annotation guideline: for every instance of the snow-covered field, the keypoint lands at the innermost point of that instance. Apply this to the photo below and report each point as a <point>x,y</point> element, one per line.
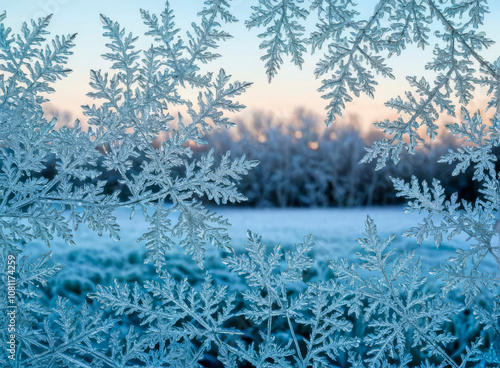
<point>99,260</point>
<point>335,230</point>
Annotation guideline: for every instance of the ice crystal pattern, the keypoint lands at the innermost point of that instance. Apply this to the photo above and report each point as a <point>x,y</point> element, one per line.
<point>356,50</point>
<point>281,318</point>
<point>134,103</point>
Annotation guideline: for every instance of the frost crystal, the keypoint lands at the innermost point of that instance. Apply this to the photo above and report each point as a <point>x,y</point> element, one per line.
<point>386,311</point>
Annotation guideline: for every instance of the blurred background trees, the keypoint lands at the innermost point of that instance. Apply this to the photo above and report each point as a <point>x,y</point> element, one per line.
<point>305,164</point>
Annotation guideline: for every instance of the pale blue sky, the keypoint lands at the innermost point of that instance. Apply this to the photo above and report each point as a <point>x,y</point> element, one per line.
<point>292,88</point>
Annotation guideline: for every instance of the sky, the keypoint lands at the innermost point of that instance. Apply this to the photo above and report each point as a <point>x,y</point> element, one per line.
<point>290,90</point>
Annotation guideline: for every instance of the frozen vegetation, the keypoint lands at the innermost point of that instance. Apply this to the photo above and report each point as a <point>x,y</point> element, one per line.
<point>98,260</point>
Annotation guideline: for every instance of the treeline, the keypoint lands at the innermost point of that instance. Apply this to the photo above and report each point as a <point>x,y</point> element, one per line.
<point>305,164</point>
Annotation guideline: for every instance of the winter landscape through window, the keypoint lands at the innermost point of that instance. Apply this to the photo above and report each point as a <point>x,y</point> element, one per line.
<point>158,156</point>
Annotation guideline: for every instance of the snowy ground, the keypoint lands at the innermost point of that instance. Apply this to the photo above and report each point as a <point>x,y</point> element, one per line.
<point>99,260</point>
<point>335,230</point>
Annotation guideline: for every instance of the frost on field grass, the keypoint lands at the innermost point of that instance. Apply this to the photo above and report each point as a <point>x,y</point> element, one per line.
<point>281,318</point>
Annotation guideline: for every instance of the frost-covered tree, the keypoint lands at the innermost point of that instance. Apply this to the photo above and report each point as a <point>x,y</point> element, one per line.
<point>302,164</point>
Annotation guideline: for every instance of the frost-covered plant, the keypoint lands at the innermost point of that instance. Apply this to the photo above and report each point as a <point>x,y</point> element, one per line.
<point>449,218</point>
<point>26,210</point>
